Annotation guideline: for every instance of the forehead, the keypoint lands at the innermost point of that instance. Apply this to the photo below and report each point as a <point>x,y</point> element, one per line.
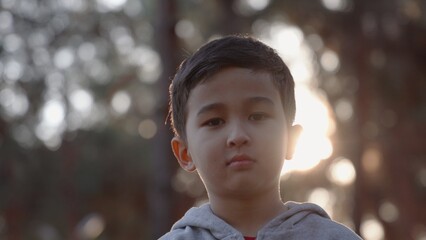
<point>232,84</point>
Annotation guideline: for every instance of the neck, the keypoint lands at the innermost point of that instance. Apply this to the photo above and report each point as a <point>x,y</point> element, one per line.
<point>248,214</point>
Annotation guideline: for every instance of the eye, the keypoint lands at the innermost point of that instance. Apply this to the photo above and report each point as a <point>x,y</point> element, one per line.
<point>258,116</point>
<point>214,122</point>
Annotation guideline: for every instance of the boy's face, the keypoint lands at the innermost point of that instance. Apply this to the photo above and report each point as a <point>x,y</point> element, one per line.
<point>237,134</point>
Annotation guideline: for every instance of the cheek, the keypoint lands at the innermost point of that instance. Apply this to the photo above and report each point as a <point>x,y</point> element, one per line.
<point>275,142</point>
<point>203,148</point>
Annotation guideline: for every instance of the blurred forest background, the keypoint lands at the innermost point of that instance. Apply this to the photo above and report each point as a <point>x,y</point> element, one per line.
<point>84,151</point>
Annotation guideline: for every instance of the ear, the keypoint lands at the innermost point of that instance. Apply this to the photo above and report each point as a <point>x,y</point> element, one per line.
<point>293,137</point>
<point>180,150</point>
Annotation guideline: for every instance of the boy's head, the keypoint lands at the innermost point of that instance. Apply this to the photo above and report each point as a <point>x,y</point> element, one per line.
<point>231,51</point>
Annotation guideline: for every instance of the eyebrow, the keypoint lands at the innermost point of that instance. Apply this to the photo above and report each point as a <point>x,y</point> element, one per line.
<point>250,101</point>
<point>210,107</point>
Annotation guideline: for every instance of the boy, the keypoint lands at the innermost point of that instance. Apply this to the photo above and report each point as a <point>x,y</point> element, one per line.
<point>232,108</point>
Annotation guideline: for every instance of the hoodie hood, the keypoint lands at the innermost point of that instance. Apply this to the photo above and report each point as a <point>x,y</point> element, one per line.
<point>300,221</point>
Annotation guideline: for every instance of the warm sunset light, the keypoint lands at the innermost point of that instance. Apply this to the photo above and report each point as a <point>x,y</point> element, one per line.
<point>312,113</point>
<point>314,144</point>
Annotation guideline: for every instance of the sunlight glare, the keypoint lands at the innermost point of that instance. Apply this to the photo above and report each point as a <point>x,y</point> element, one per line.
<point>301,72</point>
<point>310,150</point>
<point>312,112</point>
<point>313,144</point>
<point>287,41</point>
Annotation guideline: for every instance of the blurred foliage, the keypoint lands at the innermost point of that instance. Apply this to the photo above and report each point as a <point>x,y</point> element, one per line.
<point>84,152</point>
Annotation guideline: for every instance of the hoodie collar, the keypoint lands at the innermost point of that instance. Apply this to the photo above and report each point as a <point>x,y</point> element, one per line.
<point>204,218</point>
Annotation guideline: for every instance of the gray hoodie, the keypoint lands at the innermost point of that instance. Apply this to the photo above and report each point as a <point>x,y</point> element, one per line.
<point>300,221</point>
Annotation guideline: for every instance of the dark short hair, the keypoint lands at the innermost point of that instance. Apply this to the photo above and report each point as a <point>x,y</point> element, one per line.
<point>229,51</point>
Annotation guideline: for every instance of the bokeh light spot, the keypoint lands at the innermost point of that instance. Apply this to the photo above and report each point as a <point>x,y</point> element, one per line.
<point>421,177</point>
<point>388,212</point>
<point>63,58</point>
<point>342,172</point>
<point>258,5</point>
<point>147,128</point>
<point>330,61</point>
<point>344,110</point>
<point>110,5</point>
<point>98,70</point>
<point>315,42</point>
<point>335,5</point>
<point>323,198</point>
<point>81,100</point>
<point>38,38</point>
<point>122,39</point>
<point>74,5</point>
<point>41,57</point>
<point>14,102</point>
<point>6,21</point>
<point>149,63</point>
<point>372,229</point>
<point>87,51</point>
<point>249,7</point>
<point>23,135</point>
<point>419,232</point>
<point>53,113</point>
<point>287,40</point>
<point>185,29</point>
<point>13,70</point>
<point>371,160</point>
<point>121,102</point>
<point>133,8</point>
<point>91,226</point>
<point>12,42</point>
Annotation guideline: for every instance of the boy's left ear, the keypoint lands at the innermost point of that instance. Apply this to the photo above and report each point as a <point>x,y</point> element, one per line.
<point>180,150</point>
<point>293,137</point>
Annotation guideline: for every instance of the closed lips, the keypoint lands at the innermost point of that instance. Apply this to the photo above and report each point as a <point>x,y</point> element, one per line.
<point>240,158</point>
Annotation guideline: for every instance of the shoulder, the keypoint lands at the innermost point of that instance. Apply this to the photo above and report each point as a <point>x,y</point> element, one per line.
<point>310,221</point>
<point>328,229</point>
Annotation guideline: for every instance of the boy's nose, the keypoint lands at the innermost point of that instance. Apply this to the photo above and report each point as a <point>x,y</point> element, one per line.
<point>237,137</point>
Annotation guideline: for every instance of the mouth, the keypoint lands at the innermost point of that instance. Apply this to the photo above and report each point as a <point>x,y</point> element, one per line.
<point>240,160</point>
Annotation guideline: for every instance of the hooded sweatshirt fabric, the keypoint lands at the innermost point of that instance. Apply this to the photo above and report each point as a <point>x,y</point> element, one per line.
<point>300,221</point>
